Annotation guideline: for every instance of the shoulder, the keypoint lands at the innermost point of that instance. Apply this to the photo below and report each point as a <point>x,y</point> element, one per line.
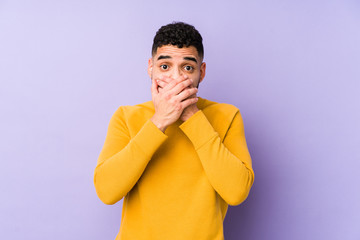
<point>220,115</point>
<point>218,110</point>
<point>134,113</point>
<point>128,110</point>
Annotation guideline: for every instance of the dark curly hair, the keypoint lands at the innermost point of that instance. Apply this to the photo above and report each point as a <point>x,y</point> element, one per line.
<point>178,34</point>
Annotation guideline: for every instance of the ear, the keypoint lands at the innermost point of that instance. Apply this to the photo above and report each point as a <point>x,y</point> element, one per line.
<point>150,66</point>
<point>202,71</point>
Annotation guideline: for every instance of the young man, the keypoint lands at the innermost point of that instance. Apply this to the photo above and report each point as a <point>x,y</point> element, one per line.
<point>179,160</point>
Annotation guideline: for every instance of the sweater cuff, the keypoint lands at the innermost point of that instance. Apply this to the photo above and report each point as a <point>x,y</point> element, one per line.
<point>149,138</point>
<point>198,129</point>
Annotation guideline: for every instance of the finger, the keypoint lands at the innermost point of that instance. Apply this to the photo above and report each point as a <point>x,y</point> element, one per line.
<point>188,102</point>
<point>163,81</point>
<point>188,92</point>
<point>161,84</point>
<point>154,87</point>
<point>173,82</point>
<point>167,80</point>
<point>179,87</point>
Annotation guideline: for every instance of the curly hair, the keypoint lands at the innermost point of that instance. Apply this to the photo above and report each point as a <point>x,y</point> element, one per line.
<point>178,34</point>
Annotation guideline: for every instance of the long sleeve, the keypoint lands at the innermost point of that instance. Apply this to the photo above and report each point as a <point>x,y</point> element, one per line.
<point>123,159</point>
<point>226,163</point>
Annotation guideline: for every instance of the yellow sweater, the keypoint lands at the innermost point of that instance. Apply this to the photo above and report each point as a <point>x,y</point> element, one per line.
<point>177,184</point>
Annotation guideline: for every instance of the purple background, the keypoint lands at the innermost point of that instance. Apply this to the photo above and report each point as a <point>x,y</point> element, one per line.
<point>292,67</point>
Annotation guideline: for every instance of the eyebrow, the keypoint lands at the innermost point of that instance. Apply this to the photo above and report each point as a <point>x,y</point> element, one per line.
<point>190,59</point>
<point>169,57</point>
<point>163,57</point>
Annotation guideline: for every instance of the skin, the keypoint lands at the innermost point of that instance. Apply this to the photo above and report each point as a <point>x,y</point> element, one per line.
<point>175,74</point>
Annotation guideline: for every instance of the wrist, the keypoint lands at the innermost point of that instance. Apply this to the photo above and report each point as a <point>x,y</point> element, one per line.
<point>158,123</point>
<point>189,112</point>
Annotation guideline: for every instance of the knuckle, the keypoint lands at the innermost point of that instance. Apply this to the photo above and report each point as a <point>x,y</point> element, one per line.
<point>178,107</point>
<point>172,101</point>
<point>167,97</point>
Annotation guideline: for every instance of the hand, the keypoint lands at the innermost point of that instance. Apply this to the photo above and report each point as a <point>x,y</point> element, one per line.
<point>171,100</point>
<point>188,111</point>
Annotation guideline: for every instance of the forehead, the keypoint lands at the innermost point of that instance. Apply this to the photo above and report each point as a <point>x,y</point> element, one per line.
<point>176,52</point>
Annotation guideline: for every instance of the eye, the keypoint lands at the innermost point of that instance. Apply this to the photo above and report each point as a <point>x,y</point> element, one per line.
<point>164,67</point>
<point>188,68</point>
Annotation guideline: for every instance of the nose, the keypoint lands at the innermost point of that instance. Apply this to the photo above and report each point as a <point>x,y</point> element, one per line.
<point>176,73</point>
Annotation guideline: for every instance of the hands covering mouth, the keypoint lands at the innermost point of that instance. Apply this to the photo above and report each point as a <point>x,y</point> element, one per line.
<point>173,99</point>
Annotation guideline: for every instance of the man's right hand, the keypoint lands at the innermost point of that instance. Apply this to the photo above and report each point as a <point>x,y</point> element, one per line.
<point>171,100</point>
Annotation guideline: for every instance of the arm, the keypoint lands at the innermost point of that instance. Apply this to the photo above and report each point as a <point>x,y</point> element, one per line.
<point>123,160</point>
<point>227,164</point>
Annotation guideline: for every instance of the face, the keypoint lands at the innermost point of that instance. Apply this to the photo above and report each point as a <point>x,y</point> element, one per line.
<point>173,62</point>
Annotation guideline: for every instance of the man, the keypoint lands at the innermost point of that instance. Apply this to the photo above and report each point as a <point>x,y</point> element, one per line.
<point>179,160</point>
